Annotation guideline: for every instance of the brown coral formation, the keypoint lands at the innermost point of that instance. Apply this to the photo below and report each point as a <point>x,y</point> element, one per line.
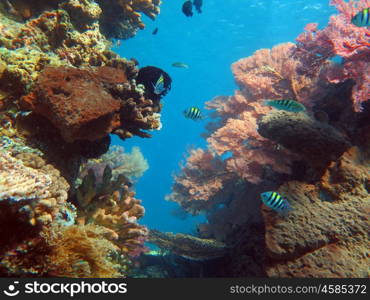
<point>75,102</point>
<point>88,104</point>
<point>66,35</point>
<point>187,245</point>
<point>327,233</point>
<point>303,135</point>
<point>122,18</point>
<point>55,63</point>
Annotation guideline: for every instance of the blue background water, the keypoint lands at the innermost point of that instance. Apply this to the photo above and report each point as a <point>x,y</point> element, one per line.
<point>209,43</point>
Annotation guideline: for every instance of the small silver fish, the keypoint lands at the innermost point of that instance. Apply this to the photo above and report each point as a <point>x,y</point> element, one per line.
<point>287,105</point>
<point>180,65</point>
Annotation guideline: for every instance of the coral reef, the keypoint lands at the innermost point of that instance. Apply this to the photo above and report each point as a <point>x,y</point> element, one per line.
<point>75,102</point>
<point>82,252</point>
<point>317,159</point>
<point>69,35</point>
<point>341,38</point>
<point>308,243</point>
<point>104,199</point>
<point>130,164</point>
<point>304,135</point>
<point>73,251</point>
<point>33,197</point>
<point>188,246</point>
<point>121,18</point>
<point>62,92</point>
<point>61,95</point>
<point>32,187</point>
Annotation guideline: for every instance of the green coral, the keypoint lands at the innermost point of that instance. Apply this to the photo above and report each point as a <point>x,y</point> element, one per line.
<point>90,188</point>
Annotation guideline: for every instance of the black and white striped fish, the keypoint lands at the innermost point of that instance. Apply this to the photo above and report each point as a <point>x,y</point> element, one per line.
<point>275,201</point>
<point>193,113</point>
<point>287,105</point>
<point>362,19</point>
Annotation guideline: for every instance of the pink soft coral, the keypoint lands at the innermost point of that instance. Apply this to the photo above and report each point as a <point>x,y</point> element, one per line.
<point>344,39</point>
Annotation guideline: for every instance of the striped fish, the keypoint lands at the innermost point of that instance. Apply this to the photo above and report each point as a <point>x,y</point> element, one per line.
<point>193,113</point>
<point>287,105</point>
<point>159,86</point>
<point>362,19</point>
<point>275,201</point>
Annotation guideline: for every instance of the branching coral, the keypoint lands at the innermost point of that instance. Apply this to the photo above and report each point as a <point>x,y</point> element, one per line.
<point>344,39</point>
<point>104,199</point>
<point>200,180</point>
<point>275,74</point>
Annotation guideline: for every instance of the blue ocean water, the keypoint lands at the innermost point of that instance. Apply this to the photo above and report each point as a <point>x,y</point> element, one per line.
<point>209,43</point>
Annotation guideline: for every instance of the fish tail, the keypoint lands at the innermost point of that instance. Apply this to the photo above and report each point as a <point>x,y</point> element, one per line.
<point>284,212</point>
<point>266,102</point>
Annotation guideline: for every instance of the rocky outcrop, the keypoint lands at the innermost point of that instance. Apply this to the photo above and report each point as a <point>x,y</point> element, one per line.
<point>327,232</point>
<point>303,135</point>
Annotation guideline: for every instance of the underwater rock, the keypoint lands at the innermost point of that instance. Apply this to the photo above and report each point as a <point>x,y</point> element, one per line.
<point>303,135</point>
<point>188,246</point>
<point>327,232</point>
<point>75,101</point>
